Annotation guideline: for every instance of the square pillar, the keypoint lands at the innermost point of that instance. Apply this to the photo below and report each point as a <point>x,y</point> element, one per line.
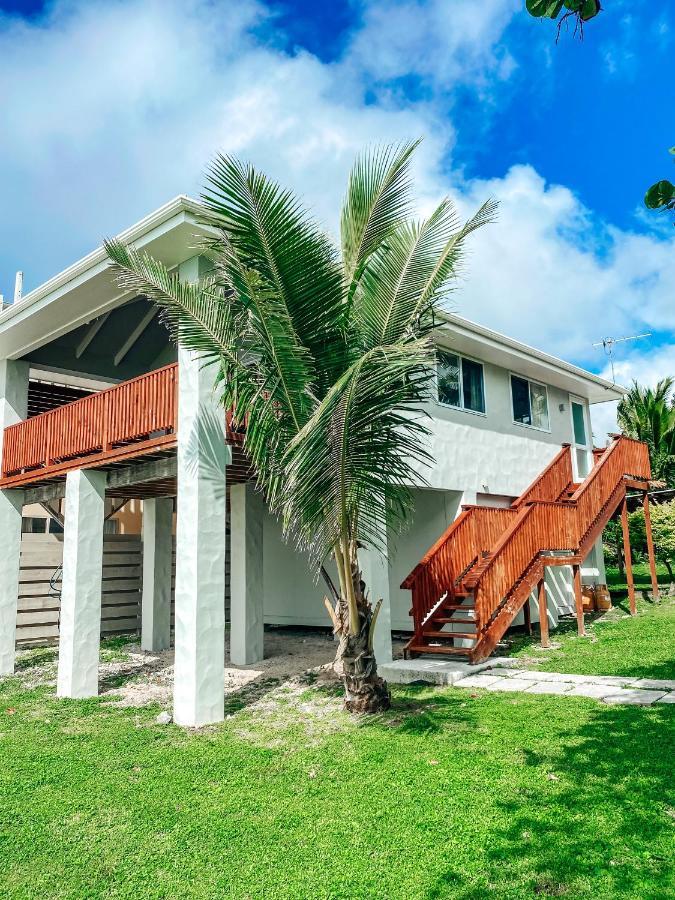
<point>375,571</point>
<point>157,552</point>
<point>13,393</point>
<point>246,575</point>
<point>11,506</point>
<point>80,623</point>
<point>203,456</point>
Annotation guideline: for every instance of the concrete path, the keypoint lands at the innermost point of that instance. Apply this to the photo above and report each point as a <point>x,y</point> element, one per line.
<point>500,674</point>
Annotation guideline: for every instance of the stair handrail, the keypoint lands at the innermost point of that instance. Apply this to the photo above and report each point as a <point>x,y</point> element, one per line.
<point>552,481</point>
<point>519,546</point>
<point>474,530</point>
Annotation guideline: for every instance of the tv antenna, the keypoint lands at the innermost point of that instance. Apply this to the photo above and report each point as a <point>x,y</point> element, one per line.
<point>608,344</point>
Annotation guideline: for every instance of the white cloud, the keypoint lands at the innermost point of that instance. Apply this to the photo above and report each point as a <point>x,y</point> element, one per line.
<point>122,104</point>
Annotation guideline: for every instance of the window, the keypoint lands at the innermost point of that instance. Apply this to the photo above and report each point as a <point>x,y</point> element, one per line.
<point>460,382</point>
<point>530,403</point>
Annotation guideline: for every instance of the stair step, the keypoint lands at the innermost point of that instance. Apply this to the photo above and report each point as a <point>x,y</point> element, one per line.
<point>448,651</point>
<point>458,606</point>
<point>449,635</point>
<point>451,620</point>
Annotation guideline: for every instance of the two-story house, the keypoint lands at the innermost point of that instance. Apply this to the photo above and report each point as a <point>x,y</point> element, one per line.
<point>143,430</point>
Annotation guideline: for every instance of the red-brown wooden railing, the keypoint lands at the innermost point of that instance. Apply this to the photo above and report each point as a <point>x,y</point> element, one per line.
<point>142,411</point>
<point>549,526</point>
<point>550,483</point>
<point>474,531</point>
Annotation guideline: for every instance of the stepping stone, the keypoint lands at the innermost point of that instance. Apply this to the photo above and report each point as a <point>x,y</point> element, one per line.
<point>550,687</point>
<point>597,691</point>
<point>511,684</point>
<point>479,681</point>
<point>531,675</point>
<point>655,684</point>
<point>635,697</point>
<point>568,679</point>
<point>667,698</point>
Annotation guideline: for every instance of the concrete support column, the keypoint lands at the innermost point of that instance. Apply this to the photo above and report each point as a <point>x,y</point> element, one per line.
<point>80,624</point>
<point>13,393</point>
<point>246,575</point>
<point>199,683</point>
<point>11,505</point>
<point>157,551</point>
<point>375,571</point>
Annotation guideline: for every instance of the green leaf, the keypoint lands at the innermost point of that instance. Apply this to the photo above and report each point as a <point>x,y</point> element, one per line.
<point>659,195</point>
<point>544,8</point>
<point>590,9</point>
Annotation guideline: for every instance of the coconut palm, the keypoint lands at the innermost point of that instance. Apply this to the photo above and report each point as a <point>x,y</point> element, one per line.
<point>649,415</point>
<point>326,355</point>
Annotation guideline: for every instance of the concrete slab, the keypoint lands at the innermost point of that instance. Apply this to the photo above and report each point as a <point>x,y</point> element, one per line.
<point>511,684</point>
<point>667,698</point>
<point>655,684</point>
<point>435,671</point>
<point>635,697</point>
<point>596,691</point>
<point>550,687</point>
<point>480,681</point>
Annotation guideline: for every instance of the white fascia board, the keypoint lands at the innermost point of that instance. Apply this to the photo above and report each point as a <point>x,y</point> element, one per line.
<point>491,346</point>
<point>50,310</point>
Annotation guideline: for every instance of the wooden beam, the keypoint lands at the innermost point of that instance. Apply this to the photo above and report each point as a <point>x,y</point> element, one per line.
<point>579,601</point>
<point>135,335</point>
<point>650,546</point>
<point>628,558</point>
<point>138,473</point>
<point>94,329</point>
<point>45,492</point>
<point>543,613</point>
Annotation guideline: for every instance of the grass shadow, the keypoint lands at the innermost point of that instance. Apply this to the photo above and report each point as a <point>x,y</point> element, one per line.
<point>605,789</point>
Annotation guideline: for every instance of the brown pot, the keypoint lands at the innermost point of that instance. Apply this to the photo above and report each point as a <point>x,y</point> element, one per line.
<point>603,599</point>
<point>588,598</point>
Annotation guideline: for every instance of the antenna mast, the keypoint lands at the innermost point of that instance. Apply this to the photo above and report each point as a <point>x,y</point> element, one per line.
<point>608,343</point>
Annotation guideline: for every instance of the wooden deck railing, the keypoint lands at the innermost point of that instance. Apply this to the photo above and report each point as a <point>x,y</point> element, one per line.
<point>136,415</point>
<point>544,526</point>
<point>550,483</point>
<point>475,530</point>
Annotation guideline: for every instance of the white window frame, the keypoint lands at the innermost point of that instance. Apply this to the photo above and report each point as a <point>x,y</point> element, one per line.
<point>513,412</point>
<point>461,357</point>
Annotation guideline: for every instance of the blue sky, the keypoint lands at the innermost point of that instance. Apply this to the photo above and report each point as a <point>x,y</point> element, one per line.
<point>114,106</point>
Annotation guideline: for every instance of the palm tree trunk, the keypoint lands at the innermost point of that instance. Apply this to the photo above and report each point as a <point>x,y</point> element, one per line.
<point>365,691</point>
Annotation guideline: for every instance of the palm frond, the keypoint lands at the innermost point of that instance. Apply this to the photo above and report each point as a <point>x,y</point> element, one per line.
<point>377,202</point>
<point>265,229</point>
<point>361,451</point>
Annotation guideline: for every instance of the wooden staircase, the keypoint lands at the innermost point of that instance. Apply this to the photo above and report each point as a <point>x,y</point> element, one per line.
<point>471,584</point>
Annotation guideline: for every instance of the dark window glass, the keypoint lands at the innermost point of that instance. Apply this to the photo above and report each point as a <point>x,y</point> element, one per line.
<point>448,379</point>
<point>472,382</point>
<point>520,394</point>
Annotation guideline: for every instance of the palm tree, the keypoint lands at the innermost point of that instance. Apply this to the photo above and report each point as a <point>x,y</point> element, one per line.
<point>649,415</point>
<point>326,354</point>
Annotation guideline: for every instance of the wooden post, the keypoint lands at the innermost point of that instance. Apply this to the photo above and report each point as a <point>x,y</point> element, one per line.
<point>627,557</point>
<point>650,546</point>
<point>527,615</point>
<point>543,614</point>
<point>579,601</point>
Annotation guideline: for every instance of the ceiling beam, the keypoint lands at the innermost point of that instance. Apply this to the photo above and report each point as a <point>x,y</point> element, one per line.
<point>135,335</point>
<point>155,470</point>
<point>94,329</point>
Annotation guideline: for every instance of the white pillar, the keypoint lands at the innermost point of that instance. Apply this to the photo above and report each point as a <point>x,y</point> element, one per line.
<point>157,552</point>
<point>80,623</point>
<point>246,575</point>
<point>13,393</point>
<point>11,505</point>
<point>375,571</point>
<point>199,680</point>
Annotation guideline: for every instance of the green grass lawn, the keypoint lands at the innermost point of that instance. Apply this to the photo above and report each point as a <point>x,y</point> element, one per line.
<point>451,794</point>
<point>617,643</point>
